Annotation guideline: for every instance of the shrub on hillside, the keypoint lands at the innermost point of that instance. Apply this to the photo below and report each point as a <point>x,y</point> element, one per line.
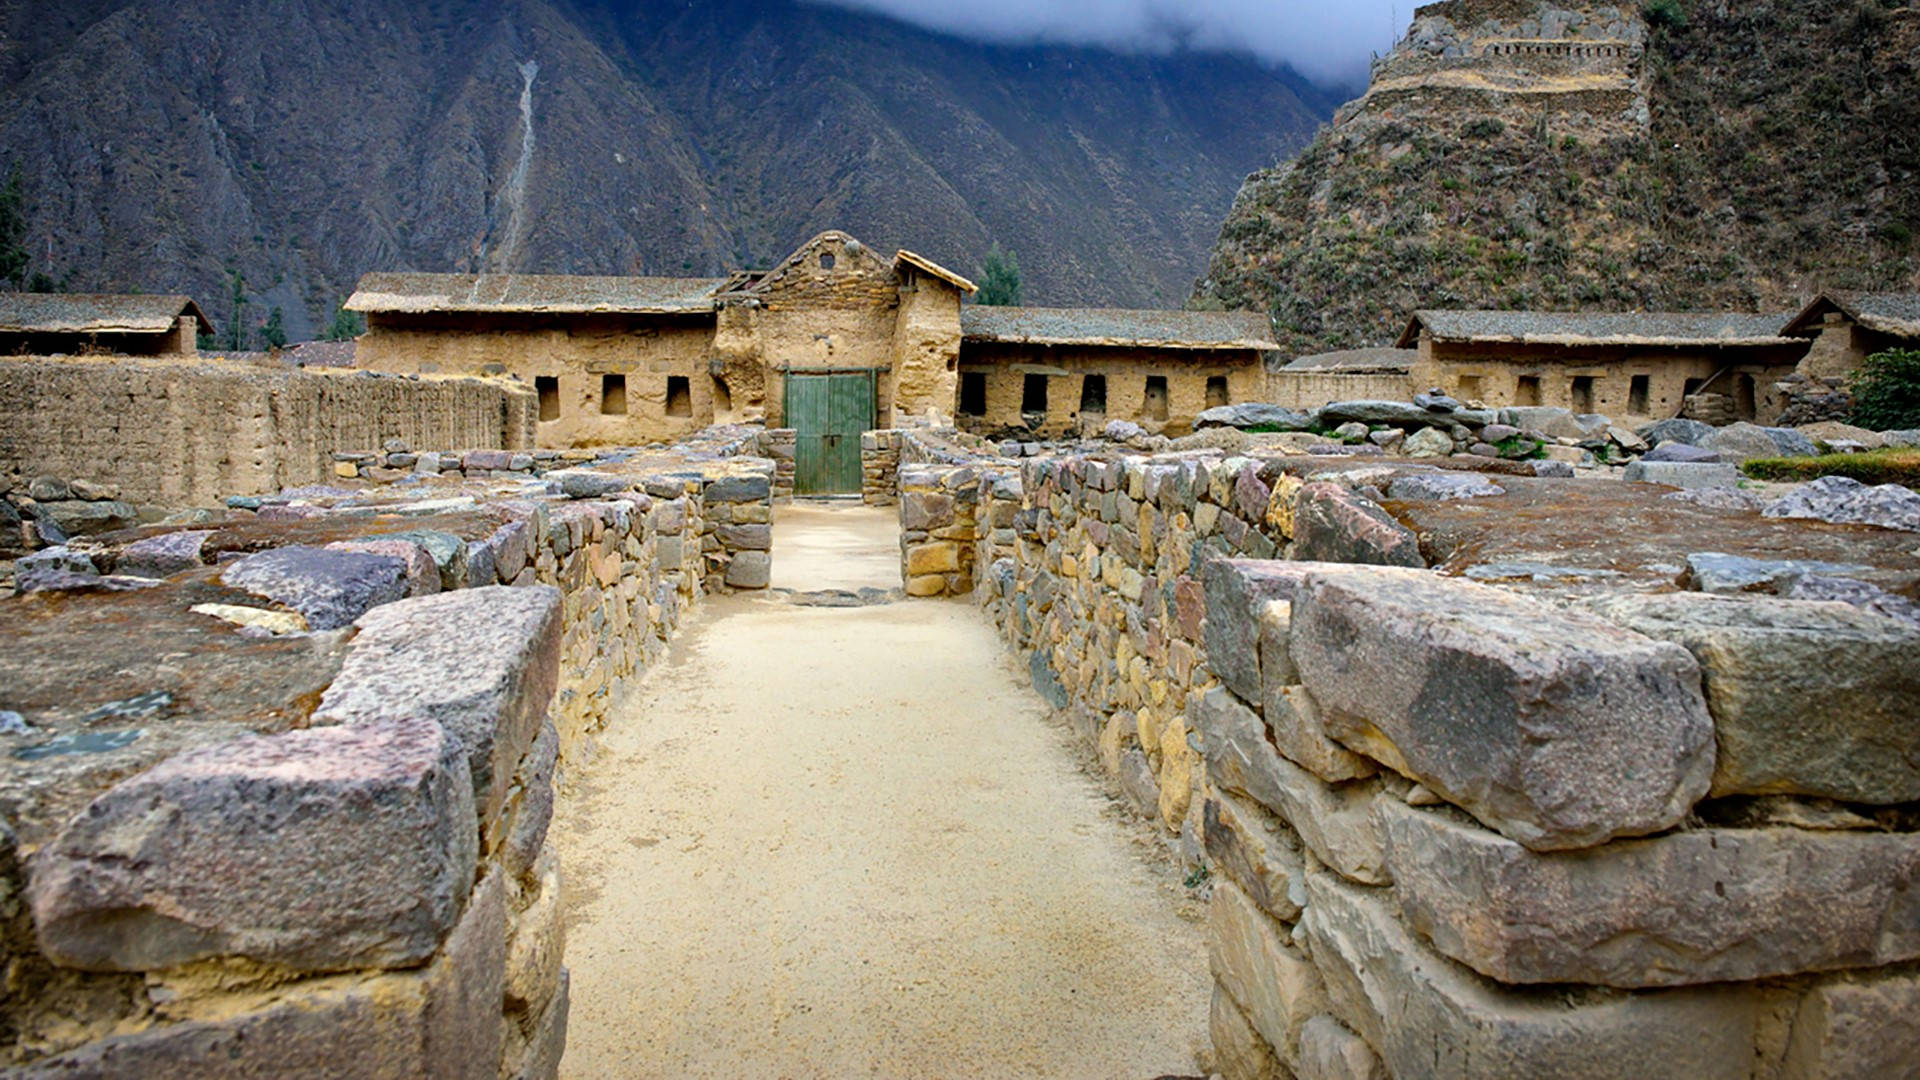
<point>1886,391</point>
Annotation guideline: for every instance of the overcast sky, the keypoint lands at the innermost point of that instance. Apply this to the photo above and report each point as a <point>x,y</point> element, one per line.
<point>1322,39</point>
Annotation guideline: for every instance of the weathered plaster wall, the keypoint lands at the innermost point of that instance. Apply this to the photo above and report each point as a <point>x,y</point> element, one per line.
<point>178,432</point>
<point>1493,374</point>
<point>578,351</point>
<point>926,350</point>
<point>1126,371</point>
<point>1306,390</point>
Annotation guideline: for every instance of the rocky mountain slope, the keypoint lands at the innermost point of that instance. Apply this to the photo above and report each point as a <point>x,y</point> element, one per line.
<point>304,142</point>
<point>1723,156</point>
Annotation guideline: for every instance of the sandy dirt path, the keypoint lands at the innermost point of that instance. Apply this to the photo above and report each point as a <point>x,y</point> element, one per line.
<point>848,842</point>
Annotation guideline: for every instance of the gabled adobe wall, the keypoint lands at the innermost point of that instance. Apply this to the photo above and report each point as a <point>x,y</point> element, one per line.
<point>315,843</point>
<point>1451,829</point>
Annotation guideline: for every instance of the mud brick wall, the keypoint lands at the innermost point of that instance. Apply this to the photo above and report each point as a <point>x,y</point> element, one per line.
<point>1454,831</point>
<point>407,921</point>
<point>172,432</point>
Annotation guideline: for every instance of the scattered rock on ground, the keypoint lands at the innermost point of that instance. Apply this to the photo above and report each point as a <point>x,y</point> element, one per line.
<point>1844,500</point>
<point>1679,451</point>
<point>1439,487</point>
<point>1675,430</point>
<point>1250,414</point>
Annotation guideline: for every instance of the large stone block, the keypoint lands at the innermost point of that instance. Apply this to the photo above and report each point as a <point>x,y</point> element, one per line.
<point>1243,630</point>
<point>739,489</point>
<point>483,663</point>
<point>1808,697</point>
<point>1332,524</point>
<point>749,570</point>
<point>400,1024</point>
<point>1259,855</point>
<point>1293,720</point>
<point>1711,905</point>
<point>1239,1053</point>
<point>1329,1050</point>
<point>1857,1025</point>
<point>1334,821</point>
<point>535,943</point>
<point>329,588</point>
<point>745,537</point>
<point>466,987</point>
<point>1431,1018</point>
<point>1237,592</point>
<point>164,555</point>
<point>322,849</point>
<point>532,803</point>
<point>1265,974</point>
<point>1558,728</point>
<point>1686,475</point>
<point>538,1056</point>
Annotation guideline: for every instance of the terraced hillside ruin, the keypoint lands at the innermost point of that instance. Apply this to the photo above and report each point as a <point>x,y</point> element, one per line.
<point>1585,157</point>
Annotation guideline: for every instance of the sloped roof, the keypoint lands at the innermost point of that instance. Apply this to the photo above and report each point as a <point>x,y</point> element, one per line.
<point>1889,313</point>
<point>541,294</point>
<point>934,269</point>
<point>1596,328</point>
<point>1117,327</point>
<point>96,313</point>
<point>1389,360</point>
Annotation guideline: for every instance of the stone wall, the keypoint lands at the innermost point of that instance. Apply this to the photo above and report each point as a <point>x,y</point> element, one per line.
<point>1450,829</point>
<point>778,445</point>
<point>880,468</point>
<point>187,432</point>
<point>407,920</point>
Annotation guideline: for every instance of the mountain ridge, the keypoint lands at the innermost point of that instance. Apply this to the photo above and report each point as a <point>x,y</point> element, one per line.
<point>306,142</point>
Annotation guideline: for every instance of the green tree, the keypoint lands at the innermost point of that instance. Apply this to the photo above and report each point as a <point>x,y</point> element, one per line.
<point>236,312</point>
<point>999,279</point>
<point>346,325</point>
<point>273,332</point>
<point>1886,391</point>
<point>13,229</point>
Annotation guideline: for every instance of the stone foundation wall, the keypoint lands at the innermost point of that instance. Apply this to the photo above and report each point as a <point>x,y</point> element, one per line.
<point>778,444</point>
<point>1451,830</point>
<point>186,432</point>
<point>880,468</point>
<point>407,919</point>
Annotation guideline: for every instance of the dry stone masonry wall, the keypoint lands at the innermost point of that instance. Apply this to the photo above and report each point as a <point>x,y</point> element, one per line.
<point>1460,830</point>
<point>318,846</point>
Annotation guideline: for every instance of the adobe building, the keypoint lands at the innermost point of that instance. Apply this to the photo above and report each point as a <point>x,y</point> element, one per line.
<point>56,324</point>
<point>1052,371</point>
<point>835,341</point>
<point>1845,328</point>
<point>627,360</point>
<point>1639,365</point>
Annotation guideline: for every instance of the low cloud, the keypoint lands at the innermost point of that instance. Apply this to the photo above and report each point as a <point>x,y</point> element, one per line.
<point>1321,40</point>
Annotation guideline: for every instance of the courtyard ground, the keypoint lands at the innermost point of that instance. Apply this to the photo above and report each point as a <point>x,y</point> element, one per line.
<point>850,842</point>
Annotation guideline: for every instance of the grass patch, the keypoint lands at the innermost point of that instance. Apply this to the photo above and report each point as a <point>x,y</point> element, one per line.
<point>1871,467</point>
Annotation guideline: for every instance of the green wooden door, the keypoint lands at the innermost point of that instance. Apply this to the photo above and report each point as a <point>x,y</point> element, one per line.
<point>828,413</point>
